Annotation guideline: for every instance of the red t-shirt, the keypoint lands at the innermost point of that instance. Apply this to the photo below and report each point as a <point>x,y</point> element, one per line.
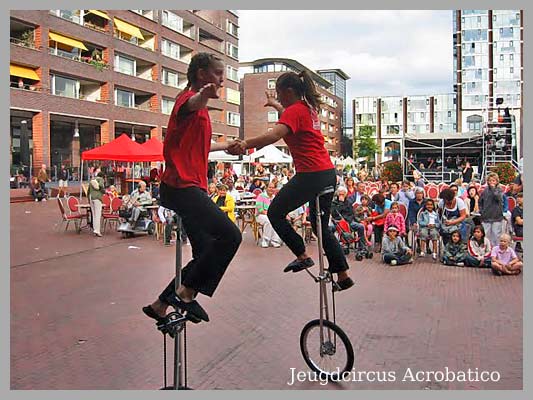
<point>186,147</point>
<point>305,140</point>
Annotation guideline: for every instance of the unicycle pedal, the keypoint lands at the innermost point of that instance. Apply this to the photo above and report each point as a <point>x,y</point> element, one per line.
<point>172,324</point>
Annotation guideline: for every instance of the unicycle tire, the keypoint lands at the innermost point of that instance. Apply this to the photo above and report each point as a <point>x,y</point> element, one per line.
<point>318,365</point>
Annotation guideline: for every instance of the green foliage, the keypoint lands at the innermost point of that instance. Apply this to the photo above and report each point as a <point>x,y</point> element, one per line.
<point>365,145</point>
<point>505,172</point>
<point>392,171</point>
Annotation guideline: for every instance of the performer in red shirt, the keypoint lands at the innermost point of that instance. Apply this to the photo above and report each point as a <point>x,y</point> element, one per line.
<point>299,127</point>
<point>213,236</point>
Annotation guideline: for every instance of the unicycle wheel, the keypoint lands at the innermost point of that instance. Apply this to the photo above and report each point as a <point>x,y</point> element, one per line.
<point>333,356</point>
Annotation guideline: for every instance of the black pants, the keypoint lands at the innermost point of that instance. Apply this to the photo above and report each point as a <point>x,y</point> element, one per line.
<point>213,236</point>
<point>303,188</point>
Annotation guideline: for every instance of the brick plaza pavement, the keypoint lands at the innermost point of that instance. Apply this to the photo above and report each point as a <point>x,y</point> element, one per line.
<point>76,321</point>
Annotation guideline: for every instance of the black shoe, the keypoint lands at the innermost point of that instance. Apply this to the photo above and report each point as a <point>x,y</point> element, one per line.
<point>193,309</point>
<point>343,285</point>
<point>497,272</point>
<point>149,312</point>
<point>298,265</point>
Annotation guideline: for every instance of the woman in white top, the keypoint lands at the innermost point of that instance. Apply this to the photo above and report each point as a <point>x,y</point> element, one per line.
<point>453,211</point>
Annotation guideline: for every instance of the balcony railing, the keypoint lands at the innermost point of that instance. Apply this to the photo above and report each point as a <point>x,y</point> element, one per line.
<point>22,42</point>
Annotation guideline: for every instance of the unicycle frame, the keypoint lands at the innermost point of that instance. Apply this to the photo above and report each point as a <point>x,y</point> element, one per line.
<point>180,355</point>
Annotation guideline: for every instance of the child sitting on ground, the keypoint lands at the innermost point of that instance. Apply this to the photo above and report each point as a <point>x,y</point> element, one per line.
<point>504,259</point>
<point>429,223</point>
<point>479,249</point>
<point>394,250</point>
<point>395,218</point>
<point>362,212</point>
<point>455,251</point>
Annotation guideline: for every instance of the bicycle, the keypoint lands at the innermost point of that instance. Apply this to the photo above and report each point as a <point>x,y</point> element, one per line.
<point>332,341</point>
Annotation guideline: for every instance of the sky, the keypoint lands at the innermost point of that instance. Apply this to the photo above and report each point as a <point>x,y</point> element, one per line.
<point>386,53</point>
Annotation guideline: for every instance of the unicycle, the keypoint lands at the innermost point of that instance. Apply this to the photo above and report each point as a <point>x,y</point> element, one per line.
<point>325,347</point>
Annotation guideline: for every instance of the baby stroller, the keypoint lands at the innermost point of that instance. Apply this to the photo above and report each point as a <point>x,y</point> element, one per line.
<point>347,238</point>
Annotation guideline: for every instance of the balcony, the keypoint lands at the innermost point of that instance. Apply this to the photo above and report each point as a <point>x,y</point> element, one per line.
<point>134,35</point>
<point>21,34</point>
<point>207,39</point>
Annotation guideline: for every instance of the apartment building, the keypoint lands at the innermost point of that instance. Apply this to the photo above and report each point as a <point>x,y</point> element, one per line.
<point>260,75</point>
<point>80,78</point>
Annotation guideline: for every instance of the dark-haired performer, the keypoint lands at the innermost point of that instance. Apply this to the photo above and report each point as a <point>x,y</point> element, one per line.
<point>213,236</point>
<point>299,127</point>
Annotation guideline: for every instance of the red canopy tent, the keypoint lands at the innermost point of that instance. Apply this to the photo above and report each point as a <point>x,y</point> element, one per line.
<point>155,147</point>
<point>122,149</point>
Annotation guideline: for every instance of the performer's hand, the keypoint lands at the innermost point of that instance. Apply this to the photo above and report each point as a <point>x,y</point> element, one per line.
<point>271,100</point>
<point>210,91</point>
<point>237,147</point>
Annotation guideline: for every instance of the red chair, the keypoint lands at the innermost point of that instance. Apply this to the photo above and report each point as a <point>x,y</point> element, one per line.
<point>72,203</point>
<point>76,217</point>
<point>432,191</point>
<point>403,210</point>
<point>511,203</point>
<point>504,188</point>
<point>106,203</point>
<point>257,192</point>
<point>443,186</point>
<point>372,191</point>
<point>112,215</point>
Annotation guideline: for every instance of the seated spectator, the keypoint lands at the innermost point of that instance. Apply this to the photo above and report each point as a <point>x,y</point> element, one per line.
<point>112,191</point>
<point>406,194</point>
<point>419,181</point>
<point>212,190</point>
<point>256,184</point>
<point>262,203</point>
<point>355,198</point>
<point>362,214</point>
<point>453,214</point>
<point>341,208</point>
<point>379,213</point>
<point>232,190</point>
<point>455,251</point>
<point>139,198</point>
<point>394,217</point>
<point>517,220</point>
<point>297,218</point>
<point>504,259</point>
<point>394,192</point>
<point>350,187</point>
<point>479,249</point>
<point>394,250</point>
<point>429,224</point>
<point>35,190</point>
<point>225,201</point>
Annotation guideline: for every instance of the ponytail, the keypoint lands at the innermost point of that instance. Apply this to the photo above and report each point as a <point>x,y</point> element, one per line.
<point>309,91</point>
<point>303,86</point>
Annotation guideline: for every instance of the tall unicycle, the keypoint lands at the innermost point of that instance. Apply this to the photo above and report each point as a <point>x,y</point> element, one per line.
<point>325,347</point>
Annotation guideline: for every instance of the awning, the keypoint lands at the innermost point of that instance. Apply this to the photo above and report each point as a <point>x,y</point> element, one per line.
<point>56,37</point>
<point>23,72</point>
<point>125,27</point>
<point>100,14</point>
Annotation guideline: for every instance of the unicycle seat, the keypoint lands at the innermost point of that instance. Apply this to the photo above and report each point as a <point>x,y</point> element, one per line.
<point>326,190</point>
<point>172,323</point>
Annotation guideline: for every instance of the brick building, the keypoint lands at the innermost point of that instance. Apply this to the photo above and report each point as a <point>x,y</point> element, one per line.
<point>80,78</point>
<point>261,75</point>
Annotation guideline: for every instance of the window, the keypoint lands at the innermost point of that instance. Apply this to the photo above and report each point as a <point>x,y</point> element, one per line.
<point>501,57</point>
<point>172,21</point>
<point>124,98</point>
<point>272,116</point>
<point>474,123</point>
<point>495,70</point>
<point>271,84</point>
<point>124,65</point>
<point>232,51</point>
<point>170,49</point>
<point>234,119</point>
<point>170,78</point>
<point>231,28</point>
<point>65,87</point>
<point>233,96</point>
<point>449,114</point>
<point>422,115</point>
<point>511,70</point>
<point>232,73</point>
<point>167,105</point>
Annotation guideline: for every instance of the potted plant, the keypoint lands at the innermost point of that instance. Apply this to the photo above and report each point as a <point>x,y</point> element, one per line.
<point>27,38</point>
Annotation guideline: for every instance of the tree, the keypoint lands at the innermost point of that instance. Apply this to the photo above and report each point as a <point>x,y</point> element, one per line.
<point>365,145</point>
